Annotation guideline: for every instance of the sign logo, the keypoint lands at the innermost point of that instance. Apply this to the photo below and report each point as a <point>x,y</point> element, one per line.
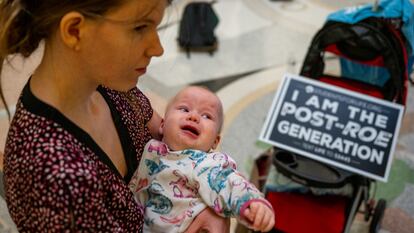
<point>333,125</point>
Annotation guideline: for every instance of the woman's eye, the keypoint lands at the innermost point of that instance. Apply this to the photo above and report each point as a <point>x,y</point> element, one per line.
<point>140,28</point>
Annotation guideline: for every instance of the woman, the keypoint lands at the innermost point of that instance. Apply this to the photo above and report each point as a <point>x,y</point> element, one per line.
<point>80,123</point>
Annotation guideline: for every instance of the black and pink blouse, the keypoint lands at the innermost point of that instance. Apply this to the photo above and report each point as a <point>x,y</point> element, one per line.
<point>57,179</point>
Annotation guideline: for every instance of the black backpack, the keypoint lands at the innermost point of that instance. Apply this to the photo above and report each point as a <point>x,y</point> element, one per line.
<point>196,31</point>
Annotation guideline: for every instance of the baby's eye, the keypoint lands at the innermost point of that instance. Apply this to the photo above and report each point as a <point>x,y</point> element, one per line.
<point>206,116</point>
<point>183,109</point>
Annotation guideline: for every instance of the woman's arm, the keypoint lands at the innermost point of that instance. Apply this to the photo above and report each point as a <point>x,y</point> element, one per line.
<point>208,221</point>
<point>141,105</point>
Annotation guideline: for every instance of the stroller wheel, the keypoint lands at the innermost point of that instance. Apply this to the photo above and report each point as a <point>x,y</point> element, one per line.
<point>377,216</point>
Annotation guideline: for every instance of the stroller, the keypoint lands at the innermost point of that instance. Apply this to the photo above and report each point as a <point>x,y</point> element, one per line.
<point>375,59</point>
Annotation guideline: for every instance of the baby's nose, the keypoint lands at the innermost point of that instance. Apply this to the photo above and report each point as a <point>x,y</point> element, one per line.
<point>192,116</point>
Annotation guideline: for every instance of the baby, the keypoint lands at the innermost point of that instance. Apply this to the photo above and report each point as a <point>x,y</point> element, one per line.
<point>180,176</point>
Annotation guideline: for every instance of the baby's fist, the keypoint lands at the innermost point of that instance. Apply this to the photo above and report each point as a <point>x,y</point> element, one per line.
<point>261,217</point>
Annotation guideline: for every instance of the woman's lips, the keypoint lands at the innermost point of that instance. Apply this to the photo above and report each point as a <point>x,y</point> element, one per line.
<point>141,70</point>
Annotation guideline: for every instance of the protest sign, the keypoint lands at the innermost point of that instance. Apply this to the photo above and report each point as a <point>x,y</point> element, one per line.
<point>333,125</point>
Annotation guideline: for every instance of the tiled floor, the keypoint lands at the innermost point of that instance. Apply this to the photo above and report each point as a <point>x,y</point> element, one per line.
<point>259,40</point>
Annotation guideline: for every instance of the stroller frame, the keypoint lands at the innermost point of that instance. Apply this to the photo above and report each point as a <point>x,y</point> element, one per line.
<point>297,168</point>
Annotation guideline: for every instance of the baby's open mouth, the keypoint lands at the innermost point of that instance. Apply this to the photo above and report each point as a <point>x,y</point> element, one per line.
<point>191,129</point>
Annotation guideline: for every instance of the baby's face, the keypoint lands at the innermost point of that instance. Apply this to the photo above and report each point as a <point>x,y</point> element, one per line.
<point>192,120</point>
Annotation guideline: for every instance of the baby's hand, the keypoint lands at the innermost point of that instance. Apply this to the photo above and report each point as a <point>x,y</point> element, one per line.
<point>260,216</point>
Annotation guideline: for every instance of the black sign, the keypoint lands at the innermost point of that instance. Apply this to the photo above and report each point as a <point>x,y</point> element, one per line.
<point>333,125</point>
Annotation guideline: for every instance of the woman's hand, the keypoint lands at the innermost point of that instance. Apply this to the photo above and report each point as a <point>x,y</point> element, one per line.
<point>208,221</point>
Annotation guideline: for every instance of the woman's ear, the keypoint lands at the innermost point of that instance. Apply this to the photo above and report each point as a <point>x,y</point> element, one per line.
<point>71,29</point>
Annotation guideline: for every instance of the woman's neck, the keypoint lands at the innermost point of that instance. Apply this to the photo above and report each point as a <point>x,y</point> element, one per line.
<point>59,83</point>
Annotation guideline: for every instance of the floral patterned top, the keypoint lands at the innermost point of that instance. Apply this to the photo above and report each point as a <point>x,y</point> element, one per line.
<point>175,186</point>
<point>57,179</point>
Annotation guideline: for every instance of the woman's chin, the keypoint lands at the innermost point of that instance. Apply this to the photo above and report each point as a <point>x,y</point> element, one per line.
<point>122,87</point>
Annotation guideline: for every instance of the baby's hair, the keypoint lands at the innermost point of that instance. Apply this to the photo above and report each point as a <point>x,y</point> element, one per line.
<point>220,110</point>
<point>24,23</point>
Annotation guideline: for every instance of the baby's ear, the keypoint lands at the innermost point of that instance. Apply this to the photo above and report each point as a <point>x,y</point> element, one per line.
<point>161,128</point>
<point>216,142</point>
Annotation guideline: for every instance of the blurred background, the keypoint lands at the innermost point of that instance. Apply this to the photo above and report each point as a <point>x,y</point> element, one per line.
<point>258,41</point>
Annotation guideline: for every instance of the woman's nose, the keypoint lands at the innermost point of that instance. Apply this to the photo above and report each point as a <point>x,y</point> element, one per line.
<point>155,49</point>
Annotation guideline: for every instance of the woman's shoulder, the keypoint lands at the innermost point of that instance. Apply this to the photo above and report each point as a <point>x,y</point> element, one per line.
<point>34,135</point>
<point>38,147</point>
<point>133,101</point>
<point>120,97</point>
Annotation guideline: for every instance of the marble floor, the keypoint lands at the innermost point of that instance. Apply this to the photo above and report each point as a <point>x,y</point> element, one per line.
<point>259,40</point>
